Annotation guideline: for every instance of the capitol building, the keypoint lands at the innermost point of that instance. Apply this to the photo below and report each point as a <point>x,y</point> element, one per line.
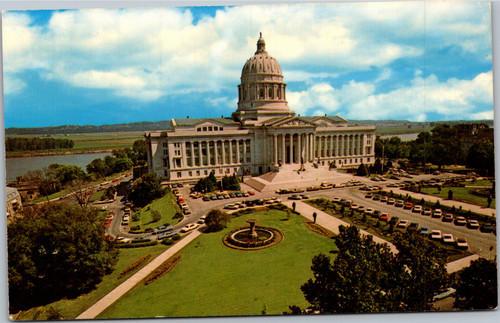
<point>262,136</point>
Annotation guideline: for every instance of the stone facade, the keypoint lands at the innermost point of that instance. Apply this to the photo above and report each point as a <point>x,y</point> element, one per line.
<point>262,135</point>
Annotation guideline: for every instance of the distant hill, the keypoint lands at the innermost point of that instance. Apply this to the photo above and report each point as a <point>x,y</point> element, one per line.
<point>134,126</point>
<point>165,125</point>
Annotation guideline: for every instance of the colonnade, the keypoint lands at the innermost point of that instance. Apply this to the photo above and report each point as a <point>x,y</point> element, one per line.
<point>294,148</point>
<point>214,152</point>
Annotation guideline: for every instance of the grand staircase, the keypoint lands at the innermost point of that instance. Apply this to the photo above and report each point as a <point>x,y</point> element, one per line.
<point>290,176</point>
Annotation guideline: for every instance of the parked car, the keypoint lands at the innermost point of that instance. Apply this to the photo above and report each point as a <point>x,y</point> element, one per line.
<point>460,220</point>
<point>376,197</point>
<point>189,227</point>
<point>369,195</point>
<point>383,199</point>
<point>408,205</point>
<point>487,227</point>
<point>391,201</point>
<point>448,238</point>
<point>436,235</point>
<point>417,209</point>
<point>473,224</point>
<point>447,217</point>
<point>361,208</point>
<point>461,243</point>
<point>437,213</point>
<point>201,220</point>
<point>336,199</point>
<point>424,231</point>
<point>294,197</point>
<point>413,227</point>
<point>384,217</point>
<point>354,206</point>
<point>369,211</point>
<point>376,214</point>
<point>427,211</point>
<point>230,207</point>
<point>399,203</point>
<point>402,224</point>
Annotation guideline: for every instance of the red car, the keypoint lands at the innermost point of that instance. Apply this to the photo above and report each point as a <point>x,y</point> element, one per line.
<point>408,205</point>
<point>384,217</point>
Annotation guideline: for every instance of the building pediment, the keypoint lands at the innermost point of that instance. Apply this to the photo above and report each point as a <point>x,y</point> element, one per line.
<point>293,122</point>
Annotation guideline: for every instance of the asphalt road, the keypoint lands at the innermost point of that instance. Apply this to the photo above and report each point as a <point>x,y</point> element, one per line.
<point>483,244</point>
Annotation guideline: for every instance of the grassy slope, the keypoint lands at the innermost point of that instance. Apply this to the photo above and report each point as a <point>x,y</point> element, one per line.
<point>463,194</point>
<point>70,309</point>
<point>212,279</point>
<point>167,206</point>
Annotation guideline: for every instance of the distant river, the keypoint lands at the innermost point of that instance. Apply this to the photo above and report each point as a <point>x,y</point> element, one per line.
<point>404,136</point>
<point>18,166</point>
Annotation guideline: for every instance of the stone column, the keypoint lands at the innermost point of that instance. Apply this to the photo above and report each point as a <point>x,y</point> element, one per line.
<point>324,146</point>
<point>244,151</point>
<point>237,151</point>
<point>283,152</point>
<point>291,148</point>
<point>192,154</point>
<point>275,140</point>
<point>230,152</point>
<point>300,148</point>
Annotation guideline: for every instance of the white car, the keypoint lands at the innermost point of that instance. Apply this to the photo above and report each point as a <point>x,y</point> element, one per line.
<point>354,206</point>
<point>369,211</point>
<point>189,227</point>
<point>403,224</point>
<point>201,220</point>
<point>461,243</point>
<point>436,235</point>
<point>448,238</point>
<point>437,213</point>
<point>473,224</point>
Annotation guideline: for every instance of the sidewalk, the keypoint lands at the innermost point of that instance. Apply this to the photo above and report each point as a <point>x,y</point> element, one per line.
<point>330,222</point>
<point>459,264</point>
<point>446,202</point>
<point>127,285</point>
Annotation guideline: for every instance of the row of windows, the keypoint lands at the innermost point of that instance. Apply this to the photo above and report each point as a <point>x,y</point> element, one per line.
<point>209,128</point>
<point>205,172</point>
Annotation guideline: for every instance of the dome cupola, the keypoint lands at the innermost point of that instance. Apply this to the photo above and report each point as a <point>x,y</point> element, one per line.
<point>262,91</point>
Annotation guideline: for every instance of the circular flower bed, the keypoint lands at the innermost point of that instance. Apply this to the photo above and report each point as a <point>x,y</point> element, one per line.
<point>241,239</point>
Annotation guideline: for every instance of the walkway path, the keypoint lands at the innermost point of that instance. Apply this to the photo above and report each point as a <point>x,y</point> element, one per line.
<point>127,285</point>
<point>457,265</point>
<point>330,222</point>
<point>465,206</point>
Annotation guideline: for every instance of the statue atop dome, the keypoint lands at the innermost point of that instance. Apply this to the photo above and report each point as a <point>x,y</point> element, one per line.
<point>261,45</point>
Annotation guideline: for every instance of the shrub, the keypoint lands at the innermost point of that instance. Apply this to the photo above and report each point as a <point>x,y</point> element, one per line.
<point>162,270</point>
<point>168,242</point>
<point>176,237</point>
<point>137,245</point>
<point>148,230</point>
<point>136,264</point>
<point>155,215</point>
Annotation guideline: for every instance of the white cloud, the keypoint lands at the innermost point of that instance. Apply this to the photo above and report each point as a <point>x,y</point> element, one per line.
<point>452,99</point>
<point>148,53</point>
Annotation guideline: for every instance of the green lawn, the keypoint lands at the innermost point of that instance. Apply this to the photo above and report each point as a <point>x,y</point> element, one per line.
<point>167,206</point>
<point>462,194</point>
<point>212,279</point>
<point>70,309</point>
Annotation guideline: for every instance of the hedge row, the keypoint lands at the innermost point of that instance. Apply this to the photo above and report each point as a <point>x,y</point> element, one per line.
<point>137,245</point>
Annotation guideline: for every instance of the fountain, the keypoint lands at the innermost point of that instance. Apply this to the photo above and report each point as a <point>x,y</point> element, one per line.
<point>252,237</point>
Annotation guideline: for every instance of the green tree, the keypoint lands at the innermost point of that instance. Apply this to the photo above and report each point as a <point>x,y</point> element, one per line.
<point>477,286</point>
<point>98,167</point>
<point>358,280</point>
<point>450,194</point>
<point>207,184</point>
<point>146,189</point>
<point>216,220</point>
<point>481,155</point>
<point>315,215</point>
<point>367,277</point>
<point>362,171</point>
<point>377,167</point>
<point>57,251</point>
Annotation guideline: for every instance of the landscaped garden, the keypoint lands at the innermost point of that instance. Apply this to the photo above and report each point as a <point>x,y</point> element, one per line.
<point>463,194</point>
<point>212,279</point>
<point>165,206</point>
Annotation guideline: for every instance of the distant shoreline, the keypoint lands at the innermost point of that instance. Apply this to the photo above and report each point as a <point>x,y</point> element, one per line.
<point>59,153</point>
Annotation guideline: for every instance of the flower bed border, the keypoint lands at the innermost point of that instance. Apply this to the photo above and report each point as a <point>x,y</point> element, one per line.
<point>163,269</point>
<point>136,264</point>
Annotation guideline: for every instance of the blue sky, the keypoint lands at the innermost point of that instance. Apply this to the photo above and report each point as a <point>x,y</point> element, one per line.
<point>397,60</point>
